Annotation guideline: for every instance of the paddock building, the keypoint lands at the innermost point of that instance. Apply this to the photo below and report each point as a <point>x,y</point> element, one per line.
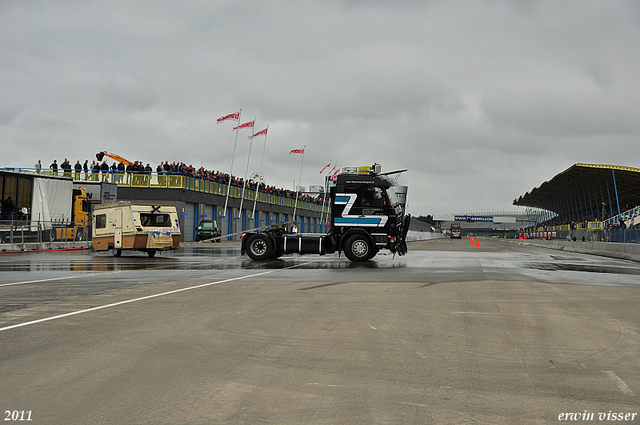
<point>195,199</point>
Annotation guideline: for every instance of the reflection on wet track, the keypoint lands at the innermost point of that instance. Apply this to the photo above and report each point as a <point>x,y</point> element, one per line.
<point>435,266</point>
<point>225,258</point>
<point>189,258</point>
<point>590,268</point>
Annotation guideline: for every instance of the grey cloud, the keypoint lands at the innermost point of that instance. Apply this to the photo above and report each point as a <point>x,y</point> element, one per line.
<point>601,73</point>
<point>40,123</point>
<point>562,112</point>
<point>135,94</point>
<point>8,114</point>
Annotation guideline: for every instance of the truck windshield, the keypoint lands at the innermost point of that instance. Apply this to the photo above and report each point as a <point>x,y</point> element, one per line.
<point>397,194</point>
<point>155,220</point>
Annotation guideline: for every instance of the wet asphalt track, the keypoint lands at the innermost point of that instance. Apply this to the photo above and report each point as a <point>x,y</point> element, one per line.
<point>449,333</point>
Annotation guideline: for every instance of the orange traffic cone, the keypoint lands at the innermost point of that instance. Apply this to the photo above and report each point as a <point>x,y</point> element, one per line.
<point>478,242</point>
<point>471,240</point>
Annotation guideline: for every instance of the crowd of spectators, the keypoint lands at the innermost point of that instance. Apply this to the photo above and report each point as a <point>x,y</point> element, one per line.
<point>176,168</point>
<point>603,215</point>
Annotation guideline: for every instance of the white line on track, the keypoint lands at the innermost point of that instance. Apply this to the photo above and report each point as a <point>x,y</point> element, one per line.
<point>38,281</point>
<point>619,382</point>
<point>102,307</point>
<point>327,385</point>
<point>65,277</point>
<point>75,276</point>
<point>413,404</point>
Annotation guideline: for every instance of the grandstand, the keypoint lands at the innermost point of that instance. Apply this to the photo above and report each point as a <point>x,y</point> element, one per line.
<point>589,202</point>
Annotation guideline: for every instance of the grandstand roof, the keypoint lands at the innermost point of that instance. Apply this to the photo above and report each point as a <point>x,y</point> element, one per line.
<point>582,184</point>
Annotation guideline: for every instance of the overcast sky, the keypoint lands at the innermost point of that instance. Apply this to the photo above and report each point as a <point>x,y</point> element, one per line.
<point>480,100</point>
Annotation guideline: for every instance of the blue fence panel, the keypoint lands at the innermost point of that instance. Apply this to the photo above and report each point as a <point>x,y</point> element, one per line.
<point>625,236</point>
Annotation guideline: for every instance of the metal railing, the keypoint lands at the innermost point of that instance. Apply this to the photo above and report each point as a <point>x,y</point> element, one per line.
<point>623,216</point>
<point>22,232</point>
<point>175,181</point>
<point>586,235</point>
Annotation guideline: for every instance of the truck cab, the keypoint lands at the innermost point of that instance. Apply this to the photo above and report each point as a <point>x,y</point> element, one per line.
<point>369,204</point>
<point>367,214</point>
<point>77,228</point>
<point>455,231</point>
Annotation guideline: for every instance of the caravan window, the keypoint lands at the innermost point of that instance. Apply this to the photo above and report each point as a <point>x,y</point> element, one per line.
<point>101,221</point>
<point>155,220</point>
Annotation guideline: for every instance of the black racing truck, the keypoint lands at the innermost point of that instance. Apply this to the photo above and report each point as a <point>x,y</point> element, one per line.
<point>367,214</point>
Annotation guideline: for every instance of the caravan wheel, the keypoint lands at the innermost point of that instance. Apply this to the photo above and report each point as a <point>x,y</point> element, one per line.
<point>117,252</point>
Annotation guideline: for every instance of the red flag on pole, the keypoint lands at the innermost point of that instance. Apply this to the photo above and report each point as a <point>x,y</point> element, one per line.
<point>234,116</point>
<point>297,151</point>
<point>260,133</point>
<point>325,167</point>
<point>245,125</point>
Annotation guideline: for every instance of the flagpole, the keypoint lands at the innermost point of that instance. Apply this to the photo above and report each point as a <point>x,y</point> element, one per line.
<point>324,198</point>
<point>226,200</point>
<point>322,212</point>
<point>264,147</point>
<point>246,171</point>
<point>299,180</point>
<point>326,191</point>
<point>324,195</point>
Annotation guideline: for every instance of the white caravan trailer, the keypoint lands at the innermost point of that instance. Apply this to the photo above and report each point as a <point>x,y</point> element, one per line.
<point>134,226</point>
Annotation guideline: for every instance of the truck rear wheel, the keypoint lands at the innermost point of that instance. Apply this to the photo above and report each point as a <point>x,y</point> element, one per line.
<point>358,248</point>
<point>259,246</point>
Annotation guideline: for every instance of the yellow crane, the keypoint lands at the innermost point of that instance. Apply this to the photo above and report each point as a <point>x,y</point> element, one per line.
<point>118,158</point>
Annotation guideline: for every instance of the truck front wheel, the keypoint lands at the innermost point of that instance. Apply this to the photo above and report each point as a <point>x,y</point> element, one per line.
<point>358,248</point>
<point>259,247</point>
